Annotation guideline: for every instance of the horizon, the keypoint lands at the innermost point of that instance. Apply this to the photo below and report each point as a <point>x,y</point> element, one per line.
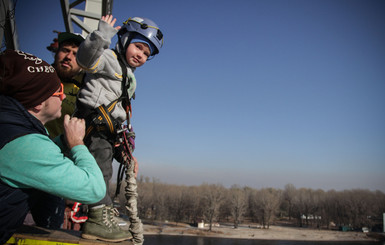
<point>254,93</point>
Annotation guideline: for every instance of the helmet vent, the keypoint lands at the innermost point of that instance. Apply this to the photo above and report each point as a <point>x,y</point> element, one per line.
<point>159,35</point>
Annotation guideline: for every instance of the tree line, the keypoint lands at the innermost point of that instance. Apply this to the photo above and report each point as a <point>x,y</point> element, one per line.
<point>214,203</point>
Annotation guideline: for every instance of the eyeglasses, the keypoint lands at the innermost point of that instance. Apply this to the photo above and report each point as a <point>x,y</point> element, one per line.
<point>60,94</point>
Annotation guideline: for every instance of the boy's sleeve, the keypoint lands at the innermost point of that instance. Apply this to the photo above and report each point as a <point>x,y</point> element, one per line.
<point>93,47</point>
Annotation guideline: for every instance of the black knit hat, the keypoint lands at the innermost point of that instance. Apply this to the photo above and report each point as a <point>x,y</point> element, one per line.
<point>27,78</point>
<point>70,37</point>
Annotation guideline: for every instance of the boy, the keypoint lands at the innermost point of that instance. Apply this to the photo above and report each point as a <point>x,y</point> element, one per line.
<point>104,102</point>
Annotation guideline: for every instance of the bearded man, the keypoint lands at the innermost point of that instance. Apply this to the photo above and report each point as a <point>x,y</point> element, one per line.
<point>70,74</point>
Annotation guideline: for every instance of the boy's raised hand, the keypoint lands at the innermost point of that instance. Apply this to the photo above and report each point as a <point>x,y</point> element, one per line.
<point>110,20</point>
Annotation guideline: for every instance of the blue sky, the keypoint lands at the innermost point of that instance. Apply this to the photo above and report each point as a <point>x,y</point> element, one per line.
<point>255,93</point>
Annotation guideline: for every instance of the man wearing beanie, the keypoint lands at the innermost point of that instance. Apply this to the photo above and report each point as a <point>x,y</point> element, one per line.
<point>31,164</point>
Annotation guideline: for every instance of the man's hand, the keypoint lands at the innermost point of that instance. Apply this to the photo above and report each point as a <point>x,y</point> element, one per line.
<point>110,20</point>
<point>74,131</point>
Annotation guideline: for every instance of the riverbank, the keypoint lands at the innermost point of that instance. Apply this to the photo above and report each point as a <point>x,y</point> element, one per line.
<point>273,233</point>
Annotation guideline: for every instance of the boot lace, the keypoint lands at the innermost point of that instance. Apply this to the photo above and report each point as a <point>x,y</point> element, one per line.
<point>108,217</point>
<point>114,212</point>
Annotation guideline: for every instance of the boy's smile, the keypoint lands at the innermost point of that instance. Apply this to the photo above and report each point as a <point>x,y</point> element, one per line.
<point>137,54</point>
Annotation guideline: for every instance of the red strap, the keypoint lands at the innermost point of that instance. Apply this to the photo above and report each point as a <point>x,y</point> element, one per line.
<point>74,212</point>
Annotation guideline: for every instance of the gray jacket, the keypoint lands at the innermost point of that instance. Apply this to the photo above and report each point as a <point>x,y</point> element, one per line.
<point>103,80</point>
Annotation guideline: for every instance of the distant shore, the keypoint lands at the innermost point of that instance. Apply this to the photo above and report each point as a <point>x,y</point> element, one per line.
<point>273,233</point>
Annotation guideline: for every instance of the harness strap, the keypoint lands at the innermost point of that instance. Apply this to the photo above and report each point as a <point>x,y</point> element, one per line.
<point>101,119</point>
<point>126,100</point>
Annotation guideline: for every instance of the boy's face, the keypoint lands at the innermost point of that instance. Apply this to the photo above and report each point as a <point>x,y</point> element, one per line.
<point>137,54</point>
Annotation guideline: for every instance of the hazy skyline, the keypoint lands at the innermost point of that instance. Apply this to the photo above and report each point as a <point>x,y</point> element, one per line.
<point>257,93</point>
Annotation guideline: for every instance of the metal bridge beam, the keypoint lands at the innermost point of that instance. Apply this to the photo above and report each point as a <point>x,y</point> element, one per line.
<point>8,33</point>
<point>87,19</point>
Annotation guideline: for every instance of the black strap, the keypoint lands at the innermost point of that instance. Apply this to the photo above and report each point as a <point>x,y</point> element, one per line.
<point>126,103</point>
<point>125,98</point>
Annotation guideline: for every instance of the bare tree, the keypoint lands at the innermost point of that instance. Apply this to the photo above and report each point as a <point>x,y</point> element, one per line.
<point>238,204</point>
<point>145,198</point>
<point>318,199</point>
<point>225,208</point>
<point>288,195</point>
<point>194,210</point>
<point>329,208</point>
<point>304,205</point>
<point>266,204</point>
<point>212,196</point>
<point>180,201</point>
<point>159,192</point>
<point>353,208</point>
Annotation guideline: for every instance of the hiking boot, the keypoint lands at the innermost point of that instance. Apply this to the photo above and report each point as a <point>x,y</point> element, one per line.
<point>122,220</point>
<point>101,225</point>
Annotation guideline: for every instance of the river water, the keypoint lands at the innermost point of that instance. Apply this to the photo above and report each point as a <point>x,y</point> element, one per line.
<point>193,240</point>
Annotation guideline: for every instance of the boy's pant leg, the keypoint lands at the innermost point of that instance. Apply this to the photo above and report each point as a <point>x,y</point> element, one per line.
<point>101,218</point>
<point>102,150</point>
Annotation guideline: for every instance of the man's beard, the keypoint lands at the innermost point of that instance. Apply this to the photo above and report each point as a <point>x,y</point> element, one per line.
<point>65,74</point>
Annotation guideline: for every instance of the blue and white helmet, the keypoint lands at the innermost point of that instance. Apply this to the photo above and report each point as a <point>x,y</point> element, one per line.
<point>144,27</point>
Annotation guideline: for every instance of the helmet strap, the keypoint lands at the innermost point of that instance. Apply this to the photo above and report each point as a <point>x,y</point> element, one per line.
<point>127,43</point>
<point>121,32</point>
